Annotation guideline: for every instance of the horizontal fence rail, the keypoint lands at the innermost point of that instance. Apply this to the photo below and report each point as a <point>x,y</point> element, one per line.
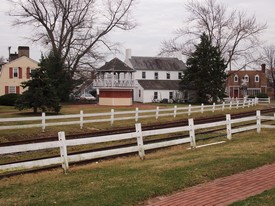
<point>81,118</point>
<point>138,136</point>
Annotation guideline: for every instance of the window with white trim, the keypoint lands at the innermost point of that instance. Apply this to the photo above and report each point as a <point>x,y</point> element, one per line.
<point>236,78</point>
<point>171,95</point>
<point>12,89</point>
<point>257,78</point>
<point>32,71</point>
<point>143,75</point>
<point>15,72</point>
<point>156,75</point>
<point>155,95</point>
<point>246,77</point>
<point>253,91</point>
<point>180,75</point>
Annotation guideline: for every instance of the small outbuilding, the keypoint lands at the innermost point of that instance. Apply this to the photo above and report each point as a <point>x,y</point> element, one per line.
<point>115,83</point>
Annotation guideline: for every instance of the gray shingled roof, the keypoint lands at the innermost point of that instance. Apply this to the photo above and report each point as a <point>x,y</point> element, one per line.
<point>159,84</point>
<point>115,65</point>
<point>157,63</point>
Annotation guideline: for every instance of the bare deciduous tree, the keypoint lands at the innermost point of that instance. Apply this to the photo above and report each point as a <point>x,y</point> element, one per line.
<point>269,59</point>
<point>75,30</point>
<point>2,60</point>
<point>235,34</point>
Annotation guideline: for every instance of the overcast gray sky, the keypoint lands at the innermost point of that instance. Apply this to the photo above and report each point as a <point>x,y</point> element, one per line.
<point>157,19</point>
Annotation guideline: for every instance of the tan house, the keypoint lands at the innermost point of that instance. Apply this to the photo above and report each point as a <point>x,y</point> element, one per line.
<point>16,71</point>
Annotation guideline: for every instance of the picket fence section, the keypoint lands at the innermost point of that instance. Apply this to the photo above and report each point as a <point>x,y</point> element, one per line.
<point>258,100</point>
<point>81,119</point>
<point>62,144</point>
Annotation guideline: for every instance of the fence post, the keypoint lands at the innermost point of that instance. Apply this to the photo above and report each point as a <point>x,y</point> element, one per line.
<point>141,152</point>
<point>258,118</point>
<point>237,104</point>
<point>202,107</point>
<point>136,116</point>
<point>192,133</point>
<point>243,102</point>
<point>230,105</point>
<point>189,109</point>
<point>269,100</point>
<point>157,113</point>
<point>63,151</point>
<point>228,127</point>
<point>81,119</point>
<point>257,100</point>
<point>223,105</point>
<point>112,116</point>
<point>175,111</point>
<point>214,105</point>
<point>43,121</point>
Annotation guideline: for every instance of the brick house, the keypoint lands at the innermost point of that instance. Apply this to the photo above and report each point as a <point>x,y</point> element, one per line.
<point>16,71</point>
<point>257,82</point>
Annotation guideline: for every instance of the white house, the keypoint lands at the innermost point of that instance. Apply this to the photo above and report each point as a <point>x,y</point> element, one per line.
<point>157,78</point>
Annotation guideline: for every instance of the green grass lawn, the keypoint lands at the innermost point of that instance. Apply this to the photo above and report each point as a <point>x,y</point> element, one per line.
<point>129,181</point>
<point>267,198</point>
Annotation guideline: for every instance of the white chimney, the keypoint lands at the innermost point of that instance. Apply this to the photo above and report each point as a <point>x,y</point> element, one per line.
<point>128,54</point>
<point>179,55</point>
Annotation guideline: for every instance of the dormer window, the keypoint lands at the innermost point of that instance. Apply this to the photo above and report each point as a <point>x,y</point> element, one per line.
<point>246,77</point>
<point>180,75</point>
<point>236,78</point>
<point>257,78</point>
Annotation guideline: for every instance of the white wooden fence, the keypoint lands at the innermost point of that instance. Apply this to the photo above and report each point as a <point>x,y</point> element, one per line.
<point>258,100</point>
<point>81,119</point>
<point>62,143</point>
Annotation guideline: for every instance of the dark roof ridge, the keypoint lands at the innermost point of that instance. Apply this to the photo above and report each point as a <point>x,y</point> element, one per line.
<point>116,65</point>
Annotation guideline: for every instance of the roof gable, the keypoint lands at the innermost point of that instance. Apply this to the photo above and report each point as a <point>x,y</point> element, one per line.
<point>21,59</point>
<point>157,63</point>
<point>115,65</point>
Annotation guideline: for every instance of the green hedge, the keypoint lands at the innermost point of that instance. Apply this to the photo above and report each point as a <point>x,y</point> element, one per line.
<point>8,99</point>
<point>262,95</point>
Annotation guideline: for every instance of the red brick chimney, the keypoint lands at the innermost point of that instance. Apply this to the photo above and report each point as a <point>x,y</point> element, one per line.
<point>263,68</point>
<point>23,51</point>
